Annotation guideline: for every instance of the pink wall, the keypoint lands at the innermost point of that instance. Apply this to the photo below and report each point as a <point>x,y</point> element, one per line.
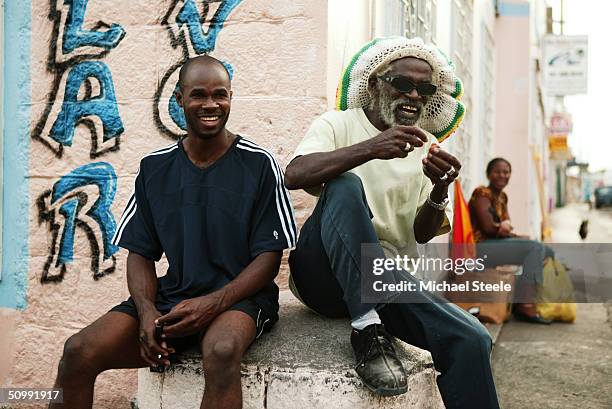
<point>512,109</point>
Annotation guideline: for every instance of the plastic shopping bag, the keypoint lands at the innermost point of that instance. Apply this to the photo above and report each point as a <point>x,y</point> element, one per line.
<point>556,287</point>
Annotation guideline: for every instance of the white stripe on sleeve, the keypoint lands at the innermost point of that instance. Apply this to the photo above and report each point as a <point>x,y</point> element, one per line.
<point>283,205</point>
<point>130,209</point>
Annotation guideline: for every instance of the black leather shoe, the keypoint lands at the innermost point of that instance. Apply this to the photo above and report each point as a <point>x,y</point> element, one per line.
<point>377,363</point>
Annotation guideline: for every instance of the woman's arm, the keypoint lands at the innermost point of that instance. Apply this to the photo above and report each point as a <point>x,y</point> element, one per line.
<point>485,220</point>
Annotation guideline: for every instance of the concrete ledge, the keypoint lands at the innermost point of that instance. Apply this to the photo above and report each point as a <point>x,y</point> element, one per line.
<point>306,361</point>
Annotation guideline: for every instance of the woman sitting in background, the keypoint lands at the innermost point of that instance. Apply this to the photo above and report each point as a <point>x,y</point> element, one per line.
<point>495,237</point>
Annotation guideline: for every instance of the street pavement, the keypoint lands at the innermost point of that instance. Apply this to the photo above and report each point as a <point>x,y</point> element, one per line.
<point>560,366</point>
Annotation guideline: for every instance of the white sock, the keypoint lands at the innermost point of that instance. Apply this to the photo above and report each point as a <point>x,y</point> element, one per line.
<point>369,318</point>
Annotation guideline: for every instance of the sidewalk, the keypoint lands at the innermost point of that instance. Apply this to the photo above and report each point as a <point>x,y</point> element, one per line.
<point>562,365</point>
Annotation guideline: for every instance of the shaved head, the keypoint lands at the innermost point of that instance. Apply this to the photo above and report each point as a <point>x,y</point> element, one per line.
<point>205,94</point>
<point>201,60</point>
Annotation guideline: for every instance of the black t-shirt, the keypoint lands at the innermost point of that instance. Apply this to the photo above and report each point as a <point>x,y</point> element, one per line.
<point>211,223</point>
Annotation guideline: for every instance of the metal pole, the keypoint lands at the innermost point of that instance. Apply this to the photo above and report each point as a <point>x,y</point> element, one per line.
<point>549,20</point>
<point>562,21</point>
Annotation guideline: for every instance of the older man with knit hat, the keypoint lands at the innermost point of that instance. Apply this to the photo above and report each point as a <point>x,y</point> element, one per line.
<point>382,178</point>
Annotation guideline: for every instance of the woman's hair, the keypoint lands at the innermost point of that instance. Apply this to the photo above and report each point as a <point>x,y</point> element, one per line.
<point>494,161</point>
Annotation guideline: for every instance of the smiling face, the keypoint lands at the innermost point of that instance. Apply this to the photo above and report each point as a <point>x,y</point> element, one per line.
<point>401,108</point>
<point>499,174</point>
<point>205,96</point>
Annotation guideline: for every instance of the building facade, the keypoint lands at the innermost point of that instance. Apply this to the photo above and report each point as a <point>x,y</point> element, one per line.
<point>88,90</point>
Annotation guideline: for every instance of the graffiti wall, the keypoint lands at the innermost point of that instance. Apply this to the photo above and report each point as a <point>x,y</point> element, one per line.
<point>99,80</point>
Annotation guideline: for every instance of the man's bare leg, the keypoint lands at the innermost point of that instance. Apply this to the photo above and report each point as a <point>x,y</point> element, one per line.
<point>225,342</point>
<point>110,342</point>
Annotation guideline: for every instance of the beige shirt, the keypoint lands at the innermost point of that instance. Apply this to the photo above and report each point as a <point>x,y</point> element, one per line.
<point>395,189</point>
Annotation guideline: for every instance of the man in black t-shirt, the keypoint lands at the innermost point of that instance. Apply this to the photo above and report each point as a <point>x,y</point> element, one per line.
<point>214,203</point>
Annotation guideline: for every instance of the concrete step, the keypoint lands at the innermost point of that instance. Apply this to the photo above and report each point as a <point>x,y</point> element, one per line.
<point>306,361</point>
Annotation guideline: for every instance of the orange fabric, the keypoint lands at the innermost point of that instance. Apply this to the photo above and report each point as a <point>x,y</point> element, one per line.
<point>462,228</point>
<point>498,206</point>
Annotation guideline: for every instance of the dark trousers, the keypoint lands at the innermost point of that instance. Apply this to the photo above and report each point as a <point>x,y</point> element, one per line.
<point>325,268</point>
<point>529,254</point>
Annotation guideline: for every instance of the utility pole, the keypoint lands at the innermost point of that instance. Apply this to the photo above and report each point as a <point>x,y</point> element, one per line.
<point>562,20</point>
<point>560,107</point>
<point>550,21</point>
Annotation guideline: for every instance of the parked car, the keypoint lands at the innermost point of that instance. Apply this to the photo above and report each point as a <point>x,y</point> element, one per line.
<point>603,196</point>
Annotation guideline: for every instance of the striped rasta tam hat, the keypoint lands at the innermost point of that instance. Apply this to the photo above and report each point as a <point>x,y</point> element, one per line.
<point>443,112</point>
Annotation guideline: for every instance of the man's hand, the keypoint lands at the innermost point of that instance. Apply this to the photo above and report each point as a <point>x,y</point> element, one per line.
<point>396,142</point>
<point>315,169</point>
<point>191,316</point>
<point>151,348</point>
<point>440,167</point>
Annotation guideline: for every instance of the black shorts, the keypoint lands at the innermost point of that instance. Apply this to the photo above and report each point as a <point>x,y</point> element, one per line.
<point>248,306</point>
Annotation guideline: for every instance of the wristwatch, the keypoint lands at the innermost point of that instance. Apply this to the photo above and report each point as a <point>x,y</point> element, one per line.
<point>437,206</point>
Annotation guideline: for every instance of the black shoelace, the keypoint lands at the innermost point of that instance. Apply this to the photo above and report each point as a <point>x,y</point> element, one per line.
<point>378,344</point>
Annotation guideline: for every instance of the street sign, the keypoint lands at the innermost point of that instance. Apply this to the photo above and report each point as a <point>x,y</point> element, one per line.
<point>558,130</point>
<point>558,148</point>
<point>560,123</point>
<point>565,64</point>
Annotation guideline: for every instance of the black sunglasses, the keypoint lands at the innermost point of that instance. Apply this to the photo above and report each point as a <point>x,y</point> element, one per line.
<point>404,85</point>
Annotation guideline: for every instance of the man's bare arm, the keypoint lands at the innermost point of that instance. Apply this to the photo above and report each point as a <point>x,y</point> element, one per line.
<point>428,220</point>
<point>142,281</point>
<point>313,170</point>
<point>193,315</point>
<point>435,167</point>
<point>252,279</point>
<point>310,171</point>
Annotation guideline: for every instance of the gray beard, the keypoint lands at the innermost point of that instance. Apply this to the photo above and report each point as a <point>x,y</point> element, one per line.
<point>387,106</point>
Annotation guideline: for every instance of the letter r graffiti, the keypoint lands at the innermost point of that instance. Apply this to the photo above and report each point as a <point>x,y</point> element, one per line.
<point>69,188</point>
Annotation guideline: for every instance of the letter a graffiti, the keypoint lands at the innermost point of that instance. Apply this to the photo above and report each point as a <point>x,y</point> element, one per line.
<point>89,93</point>
<point>103,106</point>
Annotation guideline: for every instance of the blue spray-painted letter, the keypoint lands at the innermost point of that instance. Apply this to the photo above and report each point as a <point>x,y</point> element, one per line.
<point>104,105</point>
<point>190,16</point>
<point>102,175</point>
<point>203,42</point>
<point>75,36</point>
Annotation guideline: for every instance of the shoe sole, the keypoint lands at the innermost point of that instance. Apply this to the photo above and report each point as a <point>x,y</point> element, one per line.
<point>386,391</point>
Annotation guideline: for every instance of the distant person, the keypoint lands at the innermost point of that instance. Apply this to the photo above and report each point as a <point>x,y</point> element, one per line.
<point>214,203</point>
<point>496,238</point>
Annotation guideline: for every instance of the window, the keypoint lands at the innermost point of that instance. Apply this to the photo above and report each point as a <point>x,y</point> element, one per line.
<point>461,54</point>
<point>410,18</point>
<point>420,19</point>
